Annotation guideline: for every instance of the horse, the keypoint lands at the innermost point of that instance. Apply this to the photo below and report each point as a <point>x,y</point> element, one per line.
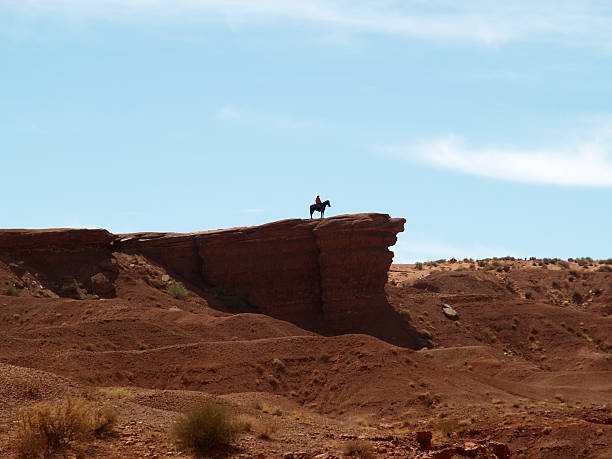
<point>319,208</point>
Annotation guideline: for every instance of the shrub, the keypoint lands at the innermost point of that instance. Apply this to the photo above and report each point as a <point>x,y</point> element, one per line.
<point>529,295</point>
<point>11,290</point>
<point>358,448</point>
<point>604,269</point>
<point>205,429</point>
<point>177,290</point>
<point>556,285</point>
<point>577,297</point>
<point>449,426</point>
<point>418,265</point>
<point>46,427</point>
<point>264,430</point>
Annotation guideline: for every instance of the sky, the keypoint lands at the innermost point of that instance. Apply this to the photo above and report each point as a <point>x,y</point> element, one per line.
<point>486,124</point>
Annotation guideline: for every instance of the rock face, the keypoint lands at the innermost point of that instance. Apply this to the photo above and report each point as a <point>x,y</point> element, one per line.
<point>326,275</point>
<point>61,257</point>
<point>329,271</point>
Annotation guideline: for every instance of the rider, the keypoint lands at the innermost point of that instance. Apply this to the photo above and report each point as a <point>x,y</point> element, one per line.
<point>318,200</point>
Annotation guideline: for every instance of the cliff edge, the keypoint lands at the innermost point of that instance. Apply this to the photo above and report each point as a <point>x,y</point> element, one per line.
<point>324,275</point>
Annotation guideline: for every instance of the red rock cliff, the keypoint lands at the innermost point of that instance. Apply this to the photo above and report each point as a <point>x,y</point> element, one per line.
<point>63,258</point>
<point>325,275</point>
<point>329,271</point>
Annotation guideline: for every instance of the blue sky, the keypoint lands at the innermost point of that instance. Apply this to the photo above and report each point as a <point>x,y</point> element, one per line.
<point>487,125</point>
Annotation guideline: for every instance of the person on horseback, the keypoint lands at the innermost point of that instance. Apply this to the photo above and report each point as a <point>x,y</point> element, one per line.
<point>319,206</point>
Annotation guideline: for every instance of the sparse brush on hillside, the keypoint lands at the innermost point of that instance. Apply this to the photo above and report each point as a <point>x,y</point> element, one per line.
<point>359,448</point>
<point>177,290</point>
<point>47,426</point>
<point>11,290</point>
<point>206,428</point>
<point>604,269</point>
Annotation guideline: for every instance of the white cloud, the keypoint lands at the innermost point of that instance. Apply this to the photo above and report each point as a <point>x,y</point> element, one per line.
<point>587,163</point>
<point>485,21</point>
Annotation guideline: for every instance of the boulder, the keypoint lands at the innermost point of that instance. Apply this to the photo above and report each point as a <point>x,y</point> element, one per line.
<point>101,285</point>
<point>450,312</point>
<point>423,438</point>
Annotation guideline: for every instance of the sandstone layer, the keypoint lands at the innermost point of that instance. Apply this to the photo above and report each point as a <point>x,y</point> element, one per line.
<point>62,258</point>
<point>325,273</point>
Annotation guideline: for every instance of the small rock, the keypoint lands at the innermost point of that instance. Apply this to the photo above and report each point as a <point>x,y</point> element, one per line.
<point>450,312</point>
<point>500,450</point>
<point>423,438</point>
<point>18,270</point>
<point>100,285</point>
<point>165,278</point>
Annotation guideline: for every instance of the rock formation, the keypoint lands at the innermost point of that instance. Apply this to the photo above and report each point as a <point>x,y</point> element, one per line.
<point>326,275</point>
<point>62,258</point>
<point>329,271</point>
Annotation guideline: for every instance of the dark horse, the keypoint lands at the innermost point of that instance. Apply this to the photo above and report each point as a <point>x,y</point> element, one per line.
<point>319,208</point>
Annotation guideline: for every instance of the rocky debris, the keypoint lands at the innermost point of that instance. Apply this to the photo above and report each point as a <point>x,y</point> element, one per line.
<point>501,450</point>
<point>450,312</point>
<point>101,285</point>
<point>17,269</point>
<point>483,449</point>
<point>423,438</point>
<point>59,257</point>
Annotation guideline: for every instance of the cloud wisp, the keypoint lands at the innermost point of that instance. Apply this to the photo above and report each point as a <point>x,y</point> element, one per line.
<point>586,164</point>
<point>484,21</point>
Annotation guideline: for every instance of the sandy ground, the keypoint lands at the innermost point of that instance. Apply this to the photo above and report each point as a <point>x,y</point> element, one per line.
<point>525,363</point>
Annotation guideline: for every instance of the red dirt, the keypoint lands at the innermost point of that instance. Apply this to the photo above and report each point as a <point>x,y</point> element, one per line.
<point>532,374</point>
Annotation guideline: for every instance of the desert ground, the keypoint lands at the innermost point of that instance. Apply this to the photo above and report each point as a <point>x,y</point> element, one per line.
<point>519,364</point>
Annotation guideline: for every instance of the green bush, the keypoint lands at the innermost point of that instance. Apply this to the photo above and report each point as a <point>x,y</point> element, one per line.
<point>418,265</point>
<point>11,290</point>
<point>205,429</point>
<point>177,290</point>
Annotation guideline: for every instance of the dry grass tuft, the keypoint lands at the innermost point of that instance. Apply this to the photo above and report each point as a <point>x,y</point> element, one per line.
<point>48,426</point>
<point>264,430</point>
<point>206,428</point>
<point>359,448</point>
